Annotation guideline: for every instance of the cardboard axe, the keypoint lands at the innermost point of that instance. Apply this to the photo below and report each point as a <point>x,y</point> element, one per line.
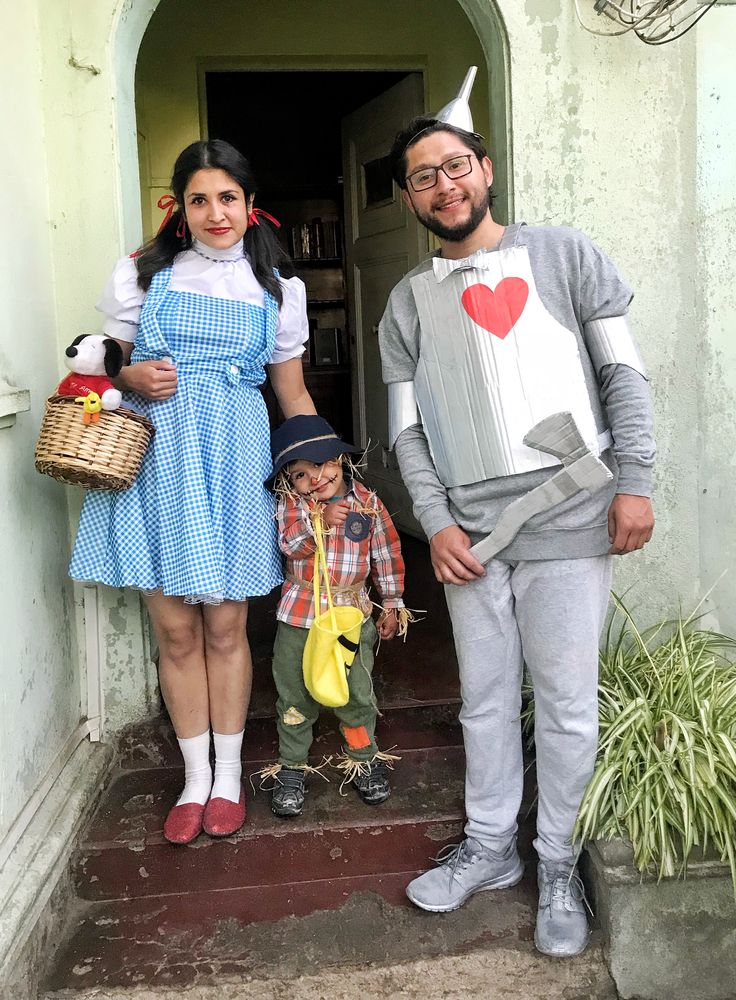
<point>556,435</point>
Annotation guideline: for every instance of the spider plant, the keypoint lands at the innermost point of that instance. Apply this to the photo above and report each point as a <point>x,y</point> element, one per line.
<point>665,776</point>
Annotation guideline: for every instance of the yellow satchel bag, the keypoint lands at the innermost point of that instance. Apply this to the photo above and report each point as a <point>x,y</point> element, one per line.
<point>333,640</point>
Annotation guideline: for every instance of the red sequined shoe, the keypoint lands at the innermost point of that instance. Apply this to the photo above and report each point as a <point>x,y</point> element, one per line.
<point>223,817</point>
<point>184,823</point>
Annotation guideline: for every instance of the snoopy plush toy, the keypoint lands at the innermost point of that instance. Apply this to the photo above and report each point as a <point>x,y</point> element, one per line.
<point>93,361</point>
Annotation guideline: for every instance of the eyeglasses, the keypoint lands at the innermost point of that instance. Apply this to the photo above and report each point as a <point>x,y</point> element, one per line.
<point>426,177</point>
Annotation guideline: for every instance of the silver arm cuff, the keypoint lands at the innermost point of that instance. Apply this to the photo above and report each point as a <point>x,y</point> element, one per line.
<point>610,342</point>
<point>402,409</point>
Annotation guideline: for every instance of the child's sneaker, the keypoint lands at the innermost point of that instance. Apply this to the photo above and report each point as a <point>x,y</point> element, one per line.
<point>287,797</point>
<point>372,783</point>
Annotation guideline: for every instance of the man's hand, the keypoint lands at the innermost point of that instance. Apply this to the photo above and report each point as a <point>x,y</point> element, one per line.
<point>630,523</point>
<point>451,558</point>
<point>388,623</point>
<point>334,514</point>
<point>152,379</point>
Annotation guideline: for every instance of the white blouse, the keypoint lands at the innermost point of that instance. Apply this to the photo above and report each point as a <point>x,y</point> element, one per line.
<point>223,274</point>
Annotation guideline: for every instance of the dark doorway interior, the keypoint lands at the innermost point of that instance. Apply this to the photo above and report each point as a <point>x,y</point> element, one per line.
<point>288,124</point>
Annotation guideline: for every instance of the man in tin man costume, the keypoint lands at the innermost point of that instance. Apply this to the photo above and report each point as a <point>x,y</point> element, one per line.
<point>522,423</point>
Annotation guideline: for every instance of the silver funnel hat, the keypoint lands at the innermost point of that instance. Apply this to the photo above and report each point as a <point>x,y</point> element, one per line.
<point>457,112</point>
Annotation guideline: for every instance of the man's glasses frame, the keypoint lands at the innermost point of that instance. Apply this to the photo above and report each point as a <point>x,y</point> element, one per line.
<point>464,167</point>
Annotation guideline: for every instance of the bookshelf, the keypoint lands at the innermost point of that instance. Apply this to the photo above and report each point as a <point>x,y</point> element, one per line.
<point>315,246</point>
<point>312,233</point>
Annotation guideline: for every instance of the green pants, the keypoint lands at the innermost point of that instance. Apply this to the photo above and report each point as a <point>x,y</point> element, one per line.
<point>298,711</point>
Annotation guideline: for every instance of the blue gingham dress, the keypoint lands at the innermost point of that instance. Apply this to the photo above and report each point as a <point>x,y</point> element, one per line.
<point>197,522</point>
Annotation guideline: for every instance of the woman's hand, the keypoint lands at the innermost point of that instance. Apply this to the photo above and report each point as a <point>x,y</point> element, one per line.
<point>334,514</point>
<point>388,623</point>
<point>152,379</point>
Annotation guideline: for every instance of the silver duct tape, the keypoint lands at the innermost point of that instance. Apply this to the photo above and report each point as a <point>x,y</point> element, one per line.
<point>587,473</point>
<point>559,435</point>
<point>473,436</point>
<point>610,342</point>
<point>479,393</point>
<point>402,409</point>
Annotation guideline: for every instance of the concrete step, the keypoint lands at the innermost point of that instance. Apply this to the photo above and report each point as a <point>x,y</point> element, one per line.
<point>302,924</point>
<point>503,968</point>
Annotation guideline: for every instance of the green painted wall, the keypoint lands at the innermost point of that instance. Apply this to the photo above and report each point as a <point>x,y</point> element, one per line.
<point>40,668</point>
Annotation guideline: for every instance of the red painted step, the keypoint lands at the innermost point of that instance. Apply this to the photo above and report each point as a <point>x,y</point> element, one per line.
<point>200,938</point>
<point>124,853</point>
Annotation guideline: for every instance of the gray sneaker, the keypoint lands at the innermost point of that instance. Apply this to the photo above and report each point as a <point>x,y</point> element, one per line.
<point>463,869</point>
<point>562,923</point>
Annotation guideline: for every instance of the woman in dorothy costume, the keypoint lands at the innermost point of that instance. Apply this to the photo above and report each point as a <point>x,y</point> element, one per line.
<point>200,311</point>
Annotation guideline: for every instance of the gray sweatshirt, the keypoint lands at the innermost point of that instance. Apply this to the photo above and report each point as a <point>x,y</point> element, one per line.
<point>577,283</point>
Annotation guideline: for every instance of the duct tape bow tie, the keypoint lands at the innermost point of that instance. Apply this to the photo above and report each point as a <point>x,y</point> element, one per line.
<point>480,260</point>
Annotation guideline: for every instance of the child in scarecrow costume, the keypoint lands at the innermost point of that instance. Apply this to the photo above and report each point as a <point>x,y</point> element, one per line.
<point>314,476</point>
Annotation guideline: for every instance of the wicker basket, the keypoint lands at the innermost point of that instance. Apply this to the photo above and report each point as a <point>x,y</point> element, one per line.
<point>105,455</point>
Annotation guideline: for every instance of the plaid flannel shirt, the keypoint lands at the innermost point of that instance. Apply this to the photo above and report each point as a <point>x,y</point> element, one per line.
<point>349,562</point>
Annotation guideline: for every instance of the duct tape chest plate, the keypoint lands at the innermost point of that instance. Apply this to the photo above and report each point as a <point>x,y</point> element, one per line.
<point>493,362</point>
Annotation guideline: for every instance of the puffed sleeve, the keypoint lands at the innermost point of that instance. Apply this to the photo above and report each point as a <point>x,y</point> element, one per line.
<point>121,302</point>
<point>292,332</point>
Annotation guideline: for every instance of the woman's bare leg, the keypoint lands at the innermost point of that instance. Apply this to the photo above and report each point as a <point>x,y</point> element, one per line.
<point>183,679</point>
<point>182,669</point>
<point>229,666</point>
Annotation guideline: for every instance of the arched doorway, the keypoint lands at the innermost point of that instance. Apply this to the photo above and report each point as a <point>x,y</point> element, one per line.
<point>391,36</point>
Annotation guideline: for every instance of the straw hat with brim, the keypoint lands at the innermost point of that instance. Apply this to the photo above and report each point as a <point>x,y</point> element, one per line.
<point>308,437</point>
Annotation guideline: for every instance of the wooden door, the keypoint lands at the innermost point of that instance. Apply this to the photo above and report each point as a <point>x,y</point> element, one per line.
<point>383,241</point>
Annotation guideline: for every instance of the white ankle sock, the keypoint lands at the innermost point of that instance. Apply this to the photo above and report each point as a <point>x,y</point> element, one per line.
<point>227,766</point>
<point>197,771</point>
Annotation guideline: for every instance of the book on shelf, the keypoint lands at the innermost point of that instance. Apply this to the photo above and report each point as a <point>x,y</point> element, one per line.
<point>320,239</point>
<point>326,346</point>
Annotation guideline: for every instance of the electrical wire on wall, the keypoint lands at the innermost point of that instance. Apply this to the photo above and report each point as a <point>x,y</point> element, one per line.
<point>655,22</point>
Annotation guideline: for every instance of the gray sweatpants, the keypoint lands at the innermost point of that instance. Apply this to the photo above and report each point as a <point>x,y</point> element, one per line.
<point>549,615</point>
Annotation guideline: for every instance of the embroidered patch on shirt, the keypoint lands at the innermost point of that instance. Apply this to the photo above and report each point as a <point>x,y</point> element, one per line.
<point>357,526</point>
<point>293,717</point>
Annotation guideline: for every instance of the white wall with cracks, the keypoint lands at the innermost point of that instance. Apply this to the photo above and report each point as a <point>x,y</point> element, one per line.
<point>635,145</point>
<point>715,242</point>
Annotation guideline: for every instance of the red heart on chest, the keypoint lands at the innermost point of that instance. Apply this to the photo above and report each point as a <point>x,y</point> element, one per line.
<point>496,309</point>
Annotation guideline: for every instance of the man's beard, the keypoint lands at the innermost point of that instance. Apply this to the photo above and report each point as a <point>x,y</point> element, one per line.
<point>457,233</point>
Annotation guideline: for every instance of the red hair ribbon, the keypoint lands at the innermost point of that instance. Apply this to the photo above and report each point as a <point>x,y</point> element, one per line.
<point>253,218</point>
<point>167,203</point>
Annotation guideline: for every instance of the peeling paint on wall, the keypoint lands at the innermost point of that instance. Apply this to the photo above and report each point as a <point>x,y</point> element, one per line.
<point>547,11</point>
